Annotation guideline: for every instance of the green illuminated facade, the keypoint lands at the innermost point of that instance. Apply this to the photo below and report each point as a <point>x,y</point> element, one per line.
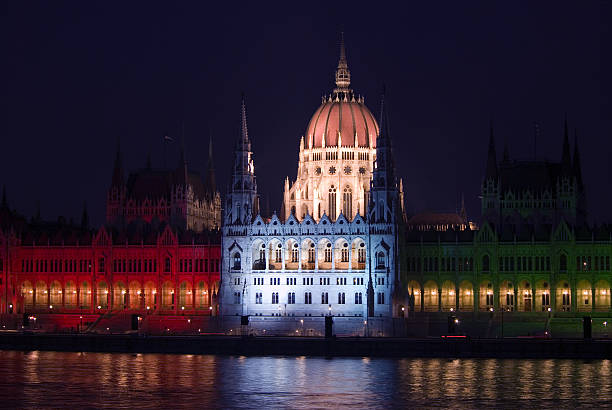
<point>534,251</point>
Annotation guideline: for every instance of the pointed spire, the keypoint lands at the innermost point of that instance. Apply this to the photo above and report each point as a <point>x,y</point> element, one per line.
<point>566,160</point>
<point>343,75</point>
<point>383,122</point>
<point>577,166</point>
<point>492,156</point>
<point>243,121</point>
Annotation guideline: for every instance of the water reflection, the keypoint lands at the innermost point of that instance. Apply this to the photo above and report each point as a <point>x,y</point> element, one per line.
<point>53,379</point>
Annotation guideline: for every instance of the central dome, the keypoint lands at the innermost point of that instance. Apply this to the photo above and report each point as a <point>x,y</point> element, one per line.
<point>342,116</point>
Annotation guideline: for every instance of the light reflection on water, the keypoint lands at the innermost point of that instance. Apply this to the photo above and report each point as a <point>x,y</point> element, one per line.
<point>54,379</point>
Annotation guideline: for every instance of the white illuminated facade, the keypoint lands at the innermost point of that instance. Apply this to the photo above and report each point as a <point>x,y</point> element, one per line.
<point>333,249</point>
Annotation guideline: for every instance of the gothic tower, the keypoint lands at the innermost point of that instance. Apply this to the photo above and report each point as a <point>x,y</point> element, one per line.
<point>242,202</point>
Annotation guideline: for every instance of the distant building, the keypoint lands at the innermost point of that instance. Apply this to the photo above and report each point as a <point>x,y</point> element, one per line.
<point>177,196</point>
<point>533,251</point>
<point>159,252</point>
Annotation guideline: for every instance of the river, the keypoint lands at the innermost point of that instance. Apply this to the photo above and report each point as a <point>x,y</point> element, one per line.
<point>56,379</point>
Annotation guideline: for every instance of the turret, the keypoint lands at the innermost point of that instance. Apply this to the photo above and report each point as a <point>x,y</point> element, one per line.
<point>384,189</point>
<point>491,158</point>
<point>566,160</point>
<point>576,165</point>
<point>117,191</point>
<point>242,204</point>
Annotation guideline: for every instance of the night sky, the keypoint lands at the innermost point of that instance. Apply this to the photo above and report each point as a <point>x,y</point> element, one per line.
<point>79,75</point>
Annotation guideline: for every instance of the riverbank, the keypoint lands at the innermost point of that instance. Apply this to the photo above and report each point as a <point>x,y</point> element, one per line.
<point>312,346</point>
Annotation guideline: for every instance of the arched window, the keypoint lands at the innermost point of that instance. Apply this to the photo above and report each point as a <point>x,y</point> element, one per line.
<point>563,263</point>
<point>332,203</point>
<point>485,263</point>
<point>347,202</point>
<point>380,260</point>
<point>236,261</point>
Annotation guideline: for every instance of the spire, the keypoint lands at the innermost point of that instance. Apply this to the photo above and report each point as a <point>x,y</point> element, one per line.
<point>118,167</point>
<point>566,160</point>
<point>244,130</point>
<point>463,212</point>
<point>383,123</point>
<point>343,75</point>
<point>492,157</point>
<point>577,166</point>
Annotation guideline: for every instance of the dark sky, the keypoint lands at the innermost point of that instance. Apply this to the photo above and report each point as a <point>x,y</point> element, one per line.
<point>78,75</point>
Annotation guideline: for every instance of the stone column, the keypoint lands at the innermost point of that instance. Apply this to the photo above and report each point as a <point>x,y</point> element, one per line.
<point>533,297</point>
<point>422,295</point>
<point>516,296</point>
<point>350,268</point>
<point>593,295</point>
<point>439,299</point>
<point>457,297</point>
<point>573,296</point>
<point>476,298</point>
<point>553,297</point>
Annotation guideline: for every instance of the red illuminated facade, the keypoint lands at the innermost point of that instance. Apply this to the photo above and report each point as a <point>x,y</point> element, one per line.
<point>151,265</point>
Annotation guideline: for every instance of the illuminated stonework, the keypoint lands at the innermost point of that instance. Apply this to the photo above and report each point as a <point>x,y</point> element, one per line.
<point>340,140</point>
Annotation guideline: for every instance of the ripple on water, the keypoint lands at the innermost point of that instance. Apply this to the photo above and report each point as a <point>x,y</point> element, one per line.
<point>54,379</point>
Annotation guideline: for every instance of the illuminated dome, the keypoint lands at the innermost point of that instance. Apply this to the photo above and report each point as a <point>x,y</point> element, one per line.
<point>342,115</point>
<point>350,119</point>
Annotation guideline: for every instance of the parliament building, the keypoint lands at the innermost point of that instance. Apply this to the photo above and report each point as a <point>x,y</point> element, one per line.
<point>183,259</point>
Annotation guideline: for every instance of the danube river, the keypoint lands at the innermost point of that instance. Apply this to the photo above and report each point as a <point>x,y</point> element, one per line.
<point>52,379</point>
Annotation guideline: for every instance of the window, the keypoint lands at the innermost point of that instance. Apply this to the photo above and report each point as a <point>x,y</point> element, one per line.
<point>274,297</point>
<point>294,254</point>
<point>361,255</point>
<point>236,298</point>
<point>563,263</point>
<point>332,201</point>
<point>341,300</point>
<point>308,298</point>
<point>279,256</point>
<point>101,267</point>
<point>291,298</point>
<point>166,265</point>
<point>258,298</point>
<point>345,254</point>
<point>347,201</point>
<point>328,253</point>
<point>324,298</point>
<point>380,260</point>
<point>485,263</point>
<point>545,300</point>
<point>236,261</point>
<point>489,298</point>
<point>358,298</point>
<point>311,254</point>
<point>236,281</point>
<point>380,281</point>
<point>380,298</point>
